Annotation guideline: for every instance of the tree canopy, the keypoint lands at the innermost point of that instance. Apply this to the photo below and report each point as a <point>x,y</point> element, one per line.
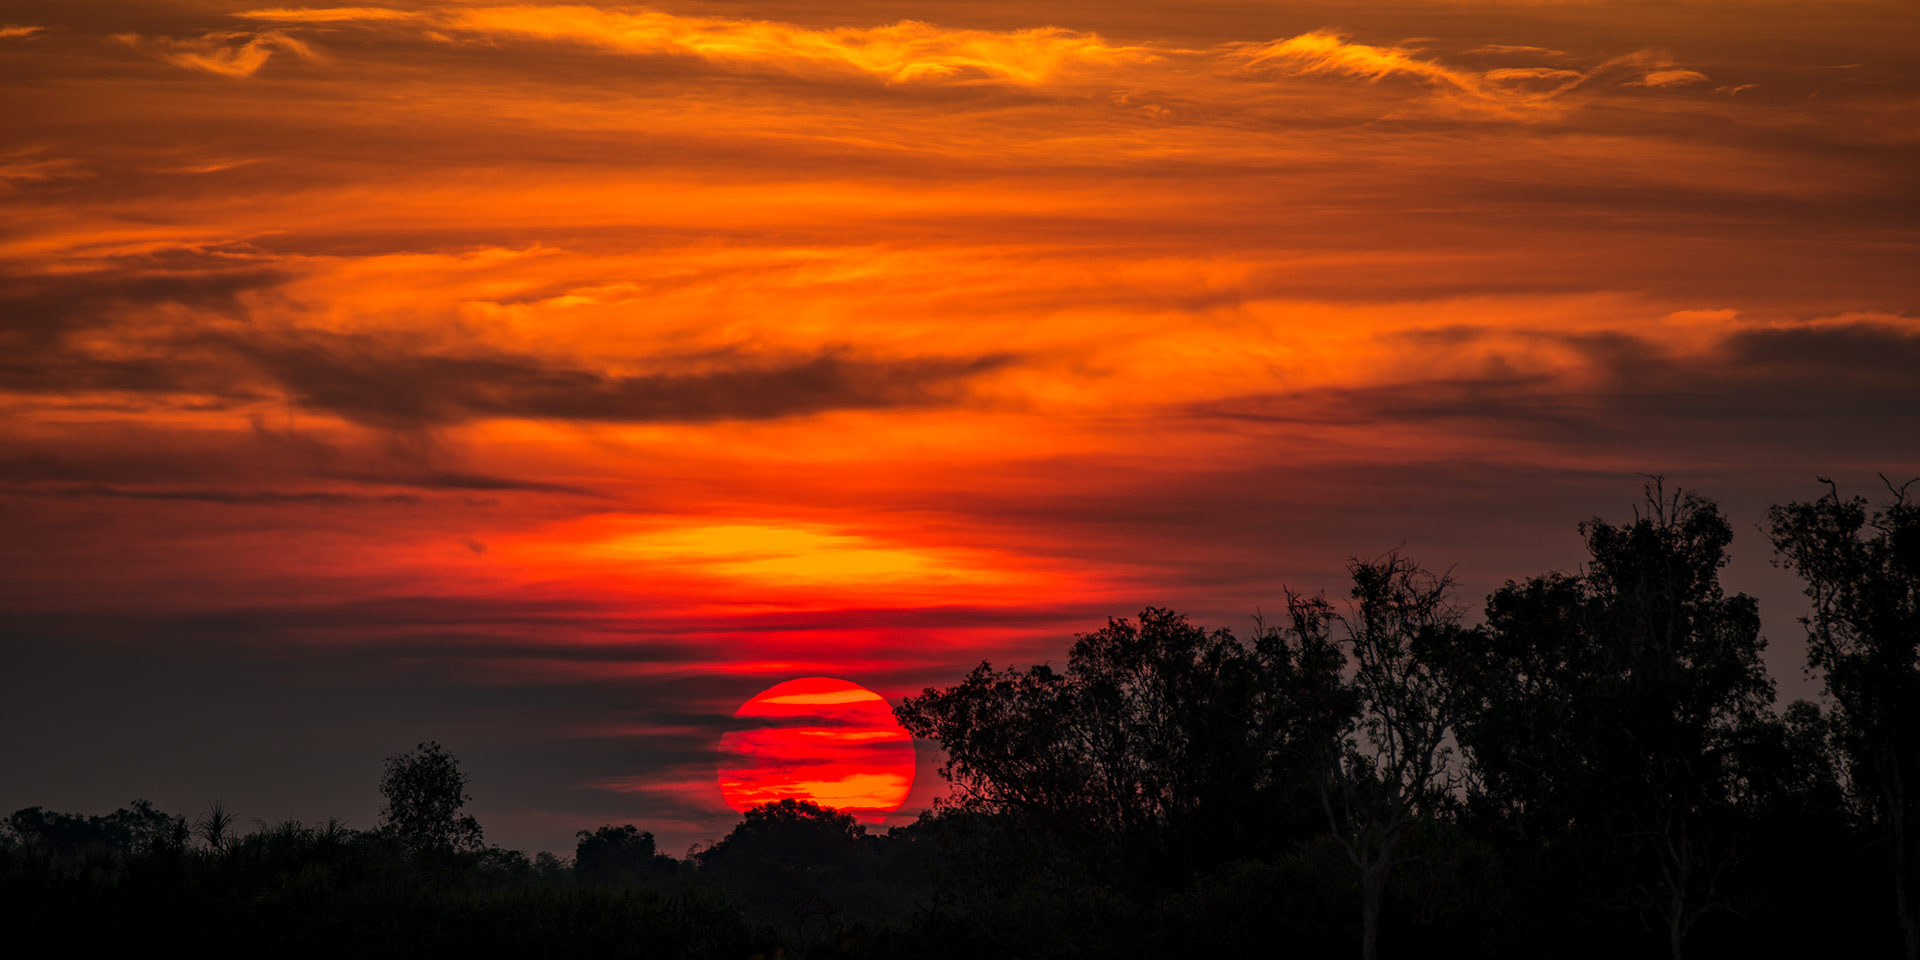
<point>424,791</point>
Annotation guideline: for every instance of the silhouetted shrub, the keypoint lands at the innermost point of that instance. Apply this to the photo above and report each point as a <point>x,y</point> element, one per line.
<point>621,854</point>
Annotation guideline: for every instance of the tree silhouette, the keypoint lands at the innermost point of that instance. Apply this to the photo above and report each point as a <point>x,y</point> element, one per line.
<point>1620,779</point>
<point>1394,762</point>
<point>1161,747</point>
<point>424,791</point>
<point>619,854</point>
<point>795,862</point>
<point>126,830</point>
<point>1610,708</point>
<point>1862,576</point>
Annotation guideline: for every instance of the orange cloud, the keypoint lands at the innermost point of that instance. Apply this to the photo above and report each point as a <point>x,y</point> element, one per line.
<point>905,51</point>
<point>1498,89</point>
<point>1320,52</point>
<point>27,166</point>
<point>909,50</point>
<point>328,14</point>
<point>227,54</point>
<point>1501,49</point>
<point>1669,78</point>
<point>901,52</point>
<point>1503,74</point>
<point>11,31</point>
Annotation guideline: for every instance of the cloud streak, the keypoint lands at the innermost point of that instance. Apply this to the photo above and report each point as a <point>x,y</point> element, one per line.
<point>367,381</point>
<point>902,52</point>
<point>1532,88</point>
<point>231,54</point>
<point>234,497</point>
<point>1840,384</point>
<point>330,15</point>
<point>390,383</point>
<point>911,51</point>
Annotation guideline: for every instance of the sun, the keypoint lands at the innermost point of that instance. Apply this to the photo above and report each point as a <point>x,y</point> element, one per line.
<point>822,739</point>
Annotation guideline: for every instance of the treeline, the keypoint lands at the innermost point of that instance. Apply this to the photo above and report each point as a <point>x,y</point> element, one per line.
<point>1595,767</point>
<point>140,882</point>
<point>1592,766</point>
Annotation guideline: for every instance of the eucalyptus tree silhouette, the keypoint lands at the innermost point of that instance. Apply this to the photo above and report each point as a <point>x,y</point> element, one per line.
<point>424,791</point>
<point>1393,763</point>
<point>1160,749</point>
<point>1610,710</point>
<point>1862,576</point>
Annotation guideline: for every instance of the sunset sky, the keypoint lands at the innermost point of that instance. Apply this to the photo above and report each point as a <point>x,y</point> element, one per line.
<point>550,379</point>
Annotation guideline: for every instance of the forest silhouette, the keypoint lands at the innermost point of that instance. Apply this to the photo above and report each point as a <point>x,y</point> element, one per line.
<point>1593,764</point>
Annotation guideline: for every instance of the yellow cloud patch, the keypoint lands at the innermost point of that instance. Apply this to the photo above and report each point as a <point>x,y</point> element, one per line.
<point>900,52</point>
<point>1670,78</point>
<point>328,14</point>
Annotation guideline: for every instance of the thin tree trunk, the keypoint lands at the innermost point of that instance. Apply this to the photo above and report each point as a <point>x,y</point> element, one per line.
<point>1912,932</point>
<point>1678,873</point>
<point>1373,883</point>
<point>1902,860</point>
<point>1909,928</point>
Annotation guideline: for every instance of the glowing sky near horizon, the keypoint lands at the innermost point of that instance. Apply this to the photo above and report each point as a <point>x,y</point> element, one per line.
<point>546,379</point>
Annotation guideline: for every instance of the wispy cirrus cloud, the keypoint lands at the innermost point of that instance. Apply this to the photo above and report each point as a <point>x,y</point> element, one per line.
<point>1326,53</point>
<point>28,166</point>
<point>233,53</point>
<point>901,52</point>
<point>1669,78</point>
<point>1502,74</point>
<point>909,51</point>
<point>1504,49</point>
<point>330,14</point>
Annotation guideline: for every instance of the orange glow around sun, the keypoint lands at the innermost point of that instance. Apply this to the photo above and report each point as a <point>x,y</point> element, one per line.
<point>822,739</point>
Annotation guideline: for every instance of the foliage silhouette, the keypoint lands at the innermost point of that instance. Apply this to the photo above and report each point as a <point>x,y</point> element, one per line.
<point>1862,576</point>
<point>1393,762</point>
<point>812,872</point>
<point>1596,770</point>
<point>1162,749</point>
<point>123,831</point>
<point>215,827</point>
<point>623,854</point>
<point>424,791</point>
<point>1607,711</point>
